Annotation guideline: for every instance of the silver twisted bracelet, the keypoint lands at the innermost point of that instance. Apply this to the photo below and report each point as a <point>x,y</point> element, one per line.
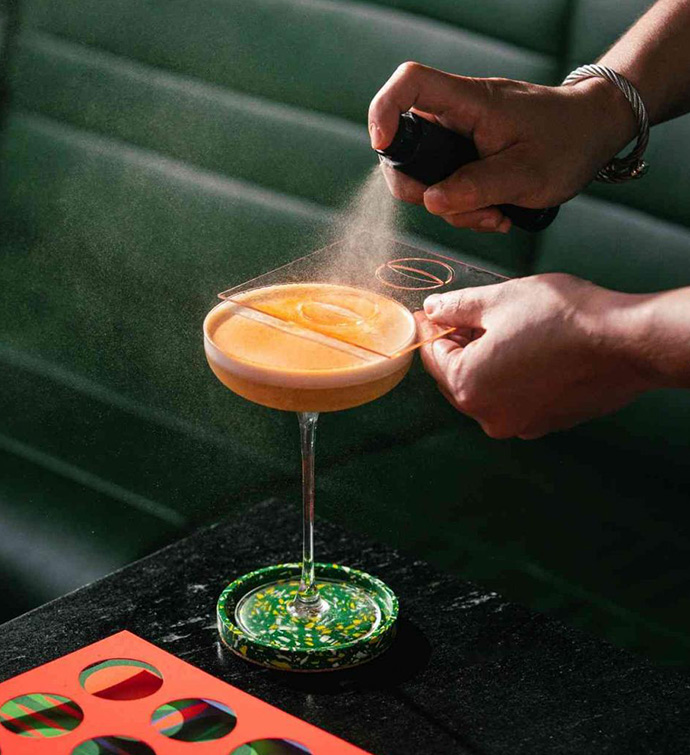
<point>631,165</point>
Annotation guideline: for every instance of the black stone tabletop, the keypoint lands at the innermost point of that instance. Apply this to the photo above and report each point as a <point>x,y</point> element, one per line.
<point>469,673</point>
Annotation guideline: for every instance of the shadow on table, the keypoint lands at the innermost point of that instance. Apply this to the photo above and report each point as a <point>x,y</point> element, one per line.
<point>406,658</point>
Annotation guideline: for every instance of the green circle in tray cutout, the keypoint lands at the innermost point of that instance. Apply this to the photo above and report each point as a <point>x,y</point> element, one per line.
<point>113,745</point>
<point>40,714</point>
<point>271,747</point>
<point>121,679</point>
<point>194,720</point>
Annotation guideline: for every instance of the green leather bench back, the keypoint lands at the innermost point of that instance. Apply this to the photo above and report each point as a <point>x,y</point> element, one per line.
<point>153,156</point>
<point>155,153</point>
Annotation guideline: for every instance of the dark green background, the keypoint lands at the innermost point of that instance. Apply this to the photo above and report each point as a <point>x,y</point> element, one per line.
<point>154,153</point>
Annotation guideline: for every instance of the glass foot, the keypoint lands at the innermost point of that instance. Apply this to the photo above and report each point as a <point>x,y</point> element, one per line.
<point>354,621</point>
<point>269,613</point>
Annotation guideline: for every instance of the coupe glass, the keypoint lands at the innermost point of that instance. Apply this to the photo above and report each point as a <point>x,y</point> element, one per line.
<point>330,331</point>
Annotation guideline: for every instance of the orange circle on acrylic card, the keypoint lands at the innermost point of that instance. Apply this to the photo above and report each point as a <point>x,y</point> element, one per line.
<point>40,715</point>
<point>271,747</point>
<point>415,274</point>
<point>121,679</point>
<point>194,720</point>
<point>113,745</point>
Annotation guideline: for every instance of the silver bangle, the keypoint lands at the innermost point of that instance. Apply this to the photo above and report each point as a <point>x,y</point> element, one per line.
<point>631,165</point>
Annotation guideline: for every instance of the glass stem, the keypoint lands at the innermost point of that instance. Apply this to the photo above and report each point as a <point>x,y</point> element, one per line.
<point>307,594</point>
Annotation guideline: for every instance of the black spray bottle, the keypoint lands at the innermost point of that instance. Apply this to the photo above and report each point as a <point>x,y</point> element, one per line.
<point>430,153</point>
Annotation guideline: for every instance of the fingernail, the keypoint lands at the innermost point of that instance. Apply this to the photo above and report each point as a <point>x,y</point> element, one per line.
<point>437,198</point>
<point>488,224</point>
<point>432,304</point>
<point>375,135</point>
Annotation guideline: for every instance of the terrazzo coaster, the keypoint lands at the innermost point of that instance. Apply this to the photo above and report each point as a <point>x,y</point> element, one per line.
<point>358,626</point>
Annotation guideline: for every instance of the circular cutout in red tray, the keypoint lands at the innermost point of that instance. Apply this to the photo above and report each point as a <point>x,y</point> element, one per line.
<point>113,745</point>
<point>121,679</point>
<point>41,715</point>
<point>271,747</point>
<point>194,720</point>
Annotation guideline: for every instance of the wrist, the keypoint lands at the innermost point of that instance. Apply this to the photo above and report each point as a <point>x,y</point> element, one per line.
<point>605,107</point>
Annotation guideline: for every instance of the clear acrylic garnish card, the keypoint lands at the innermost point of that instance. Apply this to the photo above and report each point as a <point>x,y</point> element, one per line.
<point>338,293</point>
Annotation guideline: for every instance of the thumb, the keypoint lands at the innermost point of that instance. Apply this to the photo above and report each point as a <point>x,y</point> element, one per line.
<point>498,179</point>
<point>464,308</point>
<point>428,90</point>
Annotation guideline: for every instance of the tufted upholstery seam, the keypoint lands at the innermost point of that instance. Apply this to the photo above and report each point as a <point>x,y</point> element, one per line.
<point>168,78</point>
<point>90,480</point>
<point>214,183</point>
<point>352,12</point>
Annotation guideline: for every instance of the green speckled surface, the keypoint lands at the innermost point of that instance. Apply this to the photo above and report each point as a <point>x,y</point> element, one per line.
<point>359,625</point>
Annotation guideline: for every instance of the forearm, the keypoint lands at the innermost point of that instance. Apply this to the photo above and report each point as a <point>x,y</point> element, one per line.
<point>654,55</point>
<point>653,332</point>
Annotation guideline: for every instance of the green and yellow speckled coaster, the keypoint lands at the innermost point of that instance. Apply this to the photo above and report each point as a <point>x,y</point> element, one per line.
<point>359,624</point>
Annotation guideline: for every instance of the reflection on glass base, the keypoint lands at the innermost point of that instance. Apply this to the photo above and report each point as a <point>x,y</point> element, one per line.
<point>256,621</point>
<point>307,611</point>
<point>350,614</point>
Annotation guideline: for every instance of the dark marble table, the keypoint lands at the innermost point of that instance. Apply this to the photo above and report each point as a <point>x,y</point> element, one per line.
<point>469,673</point>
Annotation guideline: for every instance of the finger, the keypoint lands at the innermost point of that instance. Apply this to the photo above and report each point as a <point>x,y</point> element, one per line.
<point>428,330</point>
<point>464,308</point>
<point>427,89</point>
<point>429,116</point>
<point>438,358</point>
<point>403,187</point>
<point>504,227</point>
<point>461,336</point>
<point>555,420</point>
<point>436,355</point>
<point>448,396</point>
<point>489,219</point>
<point>496,430</point>
<point>497,179</point>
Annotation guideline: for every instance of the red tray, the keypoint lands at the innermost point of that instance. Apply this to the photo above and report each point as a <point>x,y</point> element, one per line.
<point>108,702</point>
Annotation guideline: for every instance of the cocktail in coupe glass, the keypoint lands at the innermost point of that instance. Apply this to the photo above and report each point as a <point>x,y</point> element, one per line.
<point>330,331</point>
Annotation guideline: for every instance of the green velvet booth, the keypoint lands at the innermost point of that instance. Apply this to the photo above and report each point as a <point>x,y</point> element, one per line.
<point>154,153</point>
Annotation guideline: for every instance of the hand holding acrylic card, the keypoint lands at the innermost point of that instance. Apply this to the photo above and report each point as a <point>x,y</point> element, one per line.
<point>124,696</point>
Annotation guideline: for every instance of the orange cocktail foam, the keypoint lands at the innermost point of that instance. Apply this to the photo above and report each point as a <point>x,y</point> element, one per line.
<point>309,346</point>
